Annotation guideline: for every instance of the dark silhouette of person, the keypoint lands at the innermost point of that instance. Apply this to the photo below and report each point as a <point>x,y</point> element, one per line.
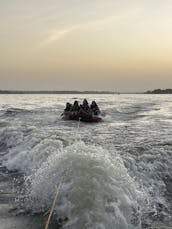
<point>85,105</point>
<point>68,107</point>
<point>94,107</point>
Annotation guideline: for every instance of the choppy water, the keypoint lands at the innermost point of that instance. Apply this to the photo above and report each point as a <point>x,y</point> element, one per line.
<point>115,174</point>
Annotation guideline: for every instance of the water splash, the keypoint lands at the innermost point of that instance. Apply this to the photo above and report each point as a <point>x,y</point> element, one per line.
<point>96,192</point>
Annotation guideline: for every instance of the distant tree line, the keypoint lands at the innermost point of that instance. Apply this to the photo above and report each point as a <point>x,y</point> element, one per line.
<point>160,91</point>
<point>53,92</point>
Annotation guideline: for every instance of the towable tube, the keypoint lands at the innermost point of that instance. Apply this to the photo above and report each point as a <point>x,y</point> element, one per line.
<point>94,118</point>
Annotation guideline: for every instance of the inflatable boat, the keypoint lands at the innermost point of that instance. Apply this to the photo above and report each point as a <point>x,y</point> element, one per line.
<point>68,116</point>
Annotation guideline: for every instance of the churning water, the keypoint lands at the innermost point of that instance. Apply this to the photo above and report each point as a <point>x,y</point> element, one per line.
<point>113,175</point>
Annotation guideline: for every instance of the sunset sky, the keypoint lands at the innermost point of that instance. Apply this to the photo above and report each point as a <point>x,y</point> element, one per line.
<point>121,45</point>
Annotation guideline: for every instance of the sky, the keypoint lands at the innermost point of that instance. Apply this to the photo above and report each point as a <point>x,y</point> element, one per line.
<point>112,45</point>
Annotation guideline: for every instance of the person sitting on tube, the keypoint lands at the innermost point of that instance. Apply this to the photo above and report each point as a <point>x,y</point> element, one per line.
<point>94,107</point>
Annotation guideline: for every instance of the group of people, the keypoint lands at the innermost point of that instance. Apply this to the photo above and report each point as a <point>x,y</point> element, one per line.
<point>82,110</point>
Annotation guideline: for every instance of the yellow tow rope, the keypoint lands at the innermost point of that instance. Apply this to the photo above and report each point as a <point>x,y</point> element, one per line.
<point>53,206</point>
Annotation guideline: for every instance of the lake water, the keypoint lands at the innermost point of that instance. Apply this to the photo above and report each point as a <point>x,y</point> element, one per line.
<point>115,174</point>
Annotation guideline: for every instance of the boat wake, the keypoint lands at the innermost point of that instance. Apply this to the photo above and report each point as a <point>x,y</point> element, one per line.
<point>96,189</point>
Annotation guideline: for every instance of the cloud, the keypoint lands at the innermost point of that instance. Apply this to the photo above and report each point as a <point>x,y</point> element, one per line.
<point>56,34</point>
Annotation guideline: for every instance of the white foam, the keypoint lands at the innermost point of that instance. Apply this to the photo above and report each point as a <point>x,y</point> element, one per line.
<point>27,153</point>
<point>96,190</point>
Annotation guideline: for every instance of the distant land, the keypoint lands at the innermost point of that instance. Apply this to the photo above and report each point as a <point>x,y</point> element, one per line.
<point>160,91</point>
<point>155,91</point>
<point>54,92</point>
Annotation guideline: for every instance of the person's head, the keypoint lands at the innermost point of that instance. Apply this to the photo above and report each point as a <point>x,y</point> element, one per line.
<point>85,101</point>
<point>94,103</point>
<point>75,103</point>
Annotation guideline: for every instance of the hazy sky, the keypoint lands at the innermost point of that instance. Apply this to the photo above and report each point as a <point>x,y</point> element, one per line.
<point>121,45</point>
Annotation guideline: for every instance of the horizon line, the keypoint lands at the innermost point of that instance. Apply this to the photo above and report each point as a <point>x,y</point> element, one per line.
<point>65,92</point>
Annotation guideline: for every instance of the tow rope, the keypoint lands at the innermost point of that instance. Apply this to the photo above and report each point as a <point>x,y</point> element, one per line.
<point>53,206</point>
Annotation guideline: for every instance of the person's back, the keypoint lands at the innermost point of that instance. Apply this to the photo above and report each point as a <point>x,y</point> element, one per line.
<point>85,105</point>
<point>95,108</point>
<point>75,106</point>
<point>68,107</point>
<point>92,105</point>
